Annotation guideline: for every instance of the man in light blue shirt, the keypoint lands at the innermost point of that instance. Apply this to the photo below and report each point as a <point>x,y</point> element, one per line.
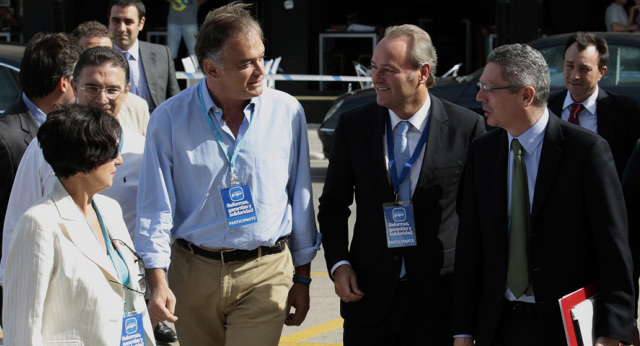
<point>224,188</point>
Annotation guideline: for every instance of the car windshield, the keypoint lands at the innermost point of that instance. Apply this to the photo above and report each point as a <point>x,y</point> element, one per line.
<point>623,67</point>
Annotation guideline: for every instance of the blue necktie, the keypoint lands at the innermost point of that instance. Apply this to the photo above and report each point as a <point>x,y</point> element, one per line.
<point>401,153</point>
<point>132,75</point>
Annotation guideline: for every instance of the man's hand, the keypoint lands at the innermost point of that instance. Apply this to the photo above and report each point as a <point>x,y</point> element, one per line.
<point>347,284</point>
<point>462,342</point>
<point>162,303</point>
<point>607,341</point>
<point>299,300</point>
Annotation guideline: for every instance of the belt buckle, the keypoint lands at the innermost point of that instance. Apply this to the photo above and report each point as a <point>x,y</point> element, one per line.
<point>222,254</point>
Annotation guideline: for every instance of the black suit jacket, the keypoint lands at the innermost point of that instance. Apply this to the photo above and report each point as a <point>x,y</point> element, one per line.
<point>17,129</point>
<point>618,119</point>
<point>578,232</point>
<point>358,165</point>
<point>631,188</point>
<point>159,71</point>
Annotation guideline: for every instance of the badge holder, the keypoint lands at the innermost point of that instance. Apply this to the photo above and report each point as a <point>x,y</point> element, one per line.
<point>238,203</point>
<point>399,224</point>
<point>132,330</point>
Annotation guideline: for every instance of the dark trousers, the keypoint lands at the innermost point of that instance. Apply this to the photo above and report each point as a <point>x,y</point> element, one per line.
<point>524,324</point>
<point>407,323</point>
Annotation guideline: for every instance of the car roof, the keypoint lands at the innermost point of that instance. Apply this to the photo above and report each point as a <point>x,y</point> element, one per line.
<point>611,37</point>
<point>11,54</point>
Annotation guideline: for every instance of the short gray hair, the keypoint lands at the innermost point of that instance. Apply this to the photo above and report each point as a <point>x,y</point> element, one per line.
<point>220,26</point>
<point>523,66</point>
<point>421,51</point>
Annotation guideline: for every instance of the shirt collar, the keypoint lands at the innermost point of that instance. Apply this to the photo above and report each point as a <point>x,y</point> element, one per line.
<point>532,138</point>
<point>38,115</point>
<point>209,105</point>
<point>418,120</point>
<point>590,103</point>
<point>134,50</point>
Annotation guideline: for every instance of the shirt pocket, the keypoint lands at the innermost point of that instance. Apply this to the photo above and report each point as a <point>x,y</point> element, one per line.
<point>271,180</point>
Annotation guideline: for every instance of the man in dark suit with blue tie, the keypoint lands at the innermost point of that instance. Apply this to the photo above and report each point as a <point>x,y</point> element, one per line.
<point>402,156</point>
<point>151,70</point>
<point>614,117</point>
<point>541,216</point>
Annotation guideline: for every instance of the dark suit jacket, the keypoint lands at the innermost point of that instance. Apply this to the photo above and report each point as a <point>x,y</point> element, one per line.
<point>358,164</point>
<point>578,232</point>
<point>17,128</point>
<point>631,188</point>
<point>618,119</point>
<point>159,71</point>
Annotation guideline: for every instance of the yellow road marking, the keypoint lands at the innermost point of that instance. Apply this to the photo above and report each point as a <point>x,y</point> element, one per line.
<point>319,274</point>
<point>295,338</point>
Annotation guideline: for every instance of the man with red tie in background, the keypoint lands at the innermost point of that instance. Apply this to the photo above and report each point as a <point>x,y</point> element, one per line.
<point>614,117</point>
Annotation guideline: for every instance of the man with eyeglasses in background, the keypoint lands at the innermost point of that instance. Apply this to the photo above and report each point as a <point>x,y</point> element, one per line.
<point>101,78</point>
<point>541,216</point>
<point>135,110</point>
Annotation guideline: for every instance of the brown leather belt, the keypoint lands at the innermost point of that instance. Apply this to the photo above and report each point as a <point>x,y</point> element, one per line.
<point>234,255</point>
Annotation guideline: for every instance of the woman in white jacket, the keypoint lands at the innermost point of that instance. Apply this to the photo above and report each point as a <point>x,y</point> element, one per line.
<point>72,276</point>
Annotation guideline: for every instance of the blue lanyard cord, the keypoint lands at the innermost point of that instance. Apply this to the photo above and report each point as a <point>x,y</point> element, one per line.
<point>231,157</point>
<point>121,271</point>
<point>395,179</point>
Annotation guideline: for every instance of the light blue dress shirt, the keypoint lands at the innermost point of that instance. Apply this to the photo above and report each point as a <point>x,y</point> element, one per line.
<point>531,141</point>
<point>184,168</point>
<point>137,78</point>
<point>38,115</point>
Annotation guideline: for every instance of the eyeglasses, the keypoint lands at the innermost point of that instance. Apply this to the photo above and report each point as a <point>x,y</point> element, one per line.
<point>484,87</point>
<point>112,93</point>
<point>142,278</point>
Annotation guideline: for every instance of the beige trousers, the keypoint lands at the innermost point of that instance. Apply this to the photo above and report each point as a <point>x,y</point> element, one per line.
<point>234,304</point>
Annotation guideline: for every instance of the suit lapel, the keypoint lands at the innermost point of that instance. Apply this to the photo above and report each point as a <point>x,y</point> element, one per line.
<point>76,228</point>
<point>377,128</point>
<point>604,110</point>
<point>549,161</point>
<point>438,130</point>
<point>149,61</point>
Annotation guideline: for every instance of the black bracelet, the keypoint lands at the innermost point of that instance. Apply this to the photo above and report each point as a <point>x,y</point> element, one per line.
<point>302,279</point>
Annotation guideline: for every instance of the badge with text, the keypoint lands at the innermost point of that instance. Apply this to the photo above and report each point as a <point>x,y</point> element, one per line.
<point>132,330</point>
<point>398,219</point>
<point>238,205</point>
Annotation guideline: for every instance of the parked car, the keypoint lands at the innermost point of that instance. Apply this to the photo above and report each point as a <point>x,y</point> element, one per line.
<point>622,77</point>
<point>10,57</point>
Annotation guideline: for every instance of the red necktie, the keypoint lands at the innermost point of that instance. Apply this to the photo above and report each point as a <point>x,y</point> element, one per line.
<point>573,113</point>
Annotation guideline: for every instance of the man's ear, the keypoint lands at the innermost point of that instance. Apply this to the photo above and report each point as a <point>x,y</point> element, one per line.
<point>211,68</point>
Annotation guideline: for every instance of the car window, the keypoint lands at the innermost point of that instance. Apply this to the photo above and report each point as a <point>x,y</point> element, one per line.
<point>9,89</point>
<point>623,67</point>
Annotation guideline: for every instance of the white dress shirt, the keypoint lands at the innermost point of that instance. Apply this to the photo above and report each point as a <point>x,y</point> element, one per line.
<point>587,117</point>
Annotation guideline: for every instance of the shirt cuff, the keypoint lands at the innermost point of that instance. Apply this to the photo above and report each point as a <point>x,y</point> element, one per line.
<point>335,266</point>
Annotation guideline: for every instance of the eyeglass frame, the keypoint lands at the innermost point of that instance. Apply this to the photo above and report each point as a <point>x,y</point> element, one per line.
<point>142,282</point>
<point>98,91</point>
<point>482,86</point>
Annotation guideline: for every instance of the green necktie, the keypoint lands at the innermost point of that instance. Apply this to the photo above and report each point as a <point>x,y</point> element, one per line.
<point>518,267</point>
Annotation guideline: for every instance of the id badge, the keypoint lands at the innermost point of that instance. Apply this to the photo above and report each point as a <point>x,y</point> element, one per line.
<point>132,330</point>
<point>399,223</point>
<point>238,205</point>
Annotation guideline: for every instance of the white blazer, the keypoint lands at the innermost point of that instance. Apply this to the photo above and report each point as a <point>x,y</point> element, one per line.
<point>57,287</point>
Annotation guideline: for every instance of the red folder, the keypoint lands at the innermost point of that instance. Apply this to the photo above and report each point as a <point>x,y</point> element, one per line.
<point>567,303</point>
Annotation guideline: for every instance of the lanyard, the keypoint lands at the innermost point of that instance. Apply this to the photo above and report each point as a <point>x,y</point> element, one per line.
<point>231,157</point>
<point>121,270</point>
<point>395,179</point>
